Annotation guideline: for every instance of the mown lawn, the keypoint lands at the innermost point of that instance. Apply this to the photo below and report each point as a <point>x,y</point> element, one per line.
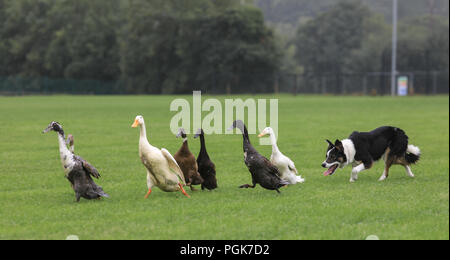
<point>36,201</point>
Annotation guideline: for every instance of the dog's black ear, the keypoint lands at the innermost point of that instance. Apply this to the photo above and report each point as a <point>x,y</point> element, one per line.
<point>329,143</point>
<point>338,145</point>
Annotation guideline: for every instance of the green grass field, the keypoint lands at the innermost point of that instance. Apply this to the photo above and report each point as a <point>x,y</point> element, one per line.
<point>36,201</point>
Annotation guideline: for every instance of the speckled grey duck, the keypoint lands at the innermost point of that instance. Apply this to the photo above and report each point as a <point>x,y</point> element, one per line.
<point>206,167</point>
<point>186,161</point>
<point>76,169</point>
<point>262,170</point>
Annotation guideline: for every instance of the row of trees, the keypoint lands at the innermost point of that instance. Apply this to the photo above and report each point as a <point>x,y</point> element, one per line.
<point>351,39</point>
<point>222,46</point>
<point>146,46</point>
<point>287,15</point>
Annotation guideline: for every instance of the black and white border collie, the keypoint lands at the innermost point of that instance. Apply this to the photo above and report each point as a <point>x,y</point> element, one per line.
<point>361,149</point>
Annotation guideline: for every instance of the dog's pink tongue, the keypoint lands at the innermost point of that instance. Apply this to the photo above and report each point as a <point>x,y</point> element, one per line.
<point>327,172</point>
<point>330,170</point>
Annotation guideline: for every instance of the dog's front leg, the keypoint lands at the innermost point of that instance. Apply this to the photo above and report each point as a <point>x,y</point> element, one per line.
<point>355,171</point>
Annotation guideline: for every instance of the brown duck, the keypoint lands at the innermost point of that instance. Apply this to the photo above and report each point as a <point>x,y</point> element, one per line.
<point>186,161</point>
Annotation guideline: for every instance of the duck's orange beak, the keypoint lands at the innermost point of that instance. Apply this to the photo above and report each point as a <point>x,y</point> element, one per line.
<point>135,124</point>
<point>261,135</point>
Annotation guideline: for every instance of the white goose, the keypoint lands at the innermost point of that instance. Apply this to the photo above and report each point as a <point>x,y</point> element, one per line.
<point>285,165</point>
<point>162,169</point>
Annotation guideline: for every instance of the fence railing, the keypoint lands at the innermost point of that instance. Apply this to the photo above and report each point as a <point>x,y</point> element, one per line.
<point>18,85</point>
<point>373,83</point>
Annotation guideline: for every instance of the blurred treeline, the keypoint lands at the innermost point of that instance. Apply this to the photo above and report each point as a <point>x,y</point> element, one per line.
<point>221,46</point>
<point>350,38</point>
<point>147,46</point>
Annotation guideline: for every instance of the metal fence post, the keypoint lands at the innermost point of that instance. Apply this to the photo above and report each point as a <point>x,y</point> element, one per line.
<point>411,83</point>
<point>343,85</point>
<point>323,80</point>
<point>276,84</point>
<point>365,85</point>
<point>435,75</point>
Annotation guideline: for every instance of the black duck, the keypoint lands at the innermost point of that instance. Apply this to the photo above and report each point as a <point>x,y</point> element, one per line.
<point>206,167</point>
<point>262,170</point>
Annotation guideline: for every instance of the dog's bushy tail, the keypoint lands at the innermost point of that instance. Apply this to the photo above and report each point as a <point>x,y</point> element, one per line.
<point>412,154</point>
<point>400,147</point>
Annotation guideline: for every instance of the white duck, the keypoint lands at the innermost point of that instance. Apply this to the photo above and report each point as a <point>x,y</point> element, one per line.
<point>285,165</point>
<point>162,169</point>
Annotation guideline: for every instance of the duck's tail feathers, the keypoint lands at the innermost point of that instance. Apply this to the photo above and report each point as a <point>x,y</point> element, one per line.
<point>300,179</point>
<point>100,192</point>
<point>103,194</point>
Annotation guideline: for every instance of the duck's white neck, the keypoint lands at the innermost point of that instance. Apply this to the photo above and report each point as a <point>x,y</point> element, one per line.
<point>66,156</point>
<point>143,134</point>
<point>273,141</point>
<point>62,144</point>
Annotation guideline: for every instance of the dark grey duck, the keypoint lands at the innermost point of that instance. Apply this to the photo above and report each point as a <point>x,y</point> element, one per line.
<point>262,170</point>
<point>77,170</point>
